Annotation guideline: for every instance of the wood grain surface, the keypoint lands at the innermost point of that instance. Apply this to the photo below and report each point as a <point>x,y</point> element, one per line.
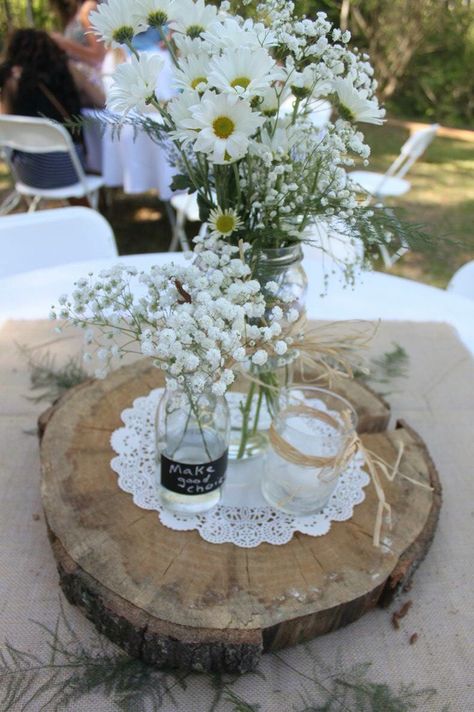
<point>175,600</point>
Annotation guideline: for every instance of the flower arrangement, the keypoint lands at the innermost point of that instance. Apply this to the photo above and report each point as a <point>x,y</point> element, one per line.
<point>244,135</point>
<point>242,125</point>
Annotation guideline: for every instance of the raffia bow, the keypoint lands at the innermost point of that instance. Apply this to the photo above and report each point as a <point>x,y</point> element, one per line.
<point>332,354</point>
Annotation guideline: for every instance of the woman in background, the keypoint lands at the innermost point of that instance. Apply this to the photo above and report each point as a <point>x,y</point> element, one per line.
<point>37,80</point>
<point>77,40</point>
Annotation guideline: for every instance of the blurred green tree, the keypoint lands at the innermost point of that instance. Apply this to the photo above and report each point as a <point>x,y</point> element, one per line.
<point>423,52</point>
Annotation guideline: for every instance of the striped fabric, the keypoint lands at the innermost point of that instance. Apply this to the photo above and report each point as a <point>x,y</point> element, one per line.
<point>47,170</point>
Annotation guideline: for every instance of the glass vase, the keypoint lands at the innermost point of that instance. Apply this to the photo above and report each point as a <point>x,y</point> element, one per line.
<point>192,441</point>
<point>254,396</point>
<point>311,445</point>
<point>283,267</point>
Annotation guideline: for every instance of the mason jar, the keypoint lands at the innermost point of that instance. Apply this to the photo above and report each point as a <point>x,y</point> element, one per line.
<point>256,391</point>
<point>282,268</point>
<point>192,442</point>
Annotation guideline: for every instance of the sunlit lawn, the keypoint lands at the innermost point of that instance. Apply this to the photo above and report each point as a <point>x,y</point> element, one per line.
<point>442,199</point>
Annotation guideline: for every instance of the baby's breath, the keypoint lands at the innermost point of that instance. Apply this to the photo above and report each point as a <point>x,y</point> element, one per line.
<point>197,321</point>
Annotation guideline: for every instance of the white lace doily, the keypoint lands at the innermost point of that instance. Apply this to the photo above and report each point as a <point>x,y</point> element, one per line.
<point>243,517</point>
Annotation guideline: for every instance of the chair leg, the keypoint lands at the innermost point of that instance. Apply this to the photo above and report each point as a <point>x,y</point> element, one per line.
<point>10,203</point>
<point>93,199</point>
<point>388,259</point>
<point>183,240</point>
<point>173,221</point>
<point>34,204</point>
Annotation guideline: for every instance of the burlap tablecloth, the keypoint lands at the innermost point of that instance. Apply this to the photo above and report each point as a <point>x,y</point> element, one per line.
<point>437,399</point>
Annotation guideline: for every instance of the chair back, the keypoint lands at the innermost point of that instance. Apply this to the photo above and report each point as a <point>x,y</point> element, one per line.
<point>411,151</point>
<point>462,281</point>
<point>30,241</point>
<point>37,135</point>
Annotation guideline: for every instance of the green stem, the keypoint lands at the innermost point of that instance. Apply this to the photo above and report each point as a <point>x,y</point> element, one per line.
<point>195,411</point>
<point>257,412</point>
<point>184,431</point>
<point>245,421</point>
<point>169,46</point>
<point>132,49</point>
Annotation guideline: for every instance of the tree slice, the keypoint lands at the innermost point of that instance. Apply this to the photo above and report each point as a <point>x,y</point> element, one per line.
<point>175,600</point>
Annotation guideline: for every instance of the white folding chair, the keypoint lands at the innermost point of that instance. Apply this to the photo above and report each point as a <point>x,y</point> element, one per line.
<point>462,281</point>
<point>187,208</point>
<point>319,112</point>
<point>35,135</point>
<point>47,238</point>
<point>392,184</point>
<point>332,240</point>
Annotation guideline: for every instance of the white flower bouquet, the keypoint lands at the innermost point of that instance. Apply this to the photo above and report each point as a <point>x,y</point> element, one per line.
<point>243,124</point>
<point>244,133</point>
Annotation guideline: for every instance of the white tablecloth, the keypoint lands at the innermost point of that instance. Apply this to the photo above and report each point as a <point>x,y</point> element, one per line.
<point>130,159</point>
<point>437,400</point>
<point>375,295</point>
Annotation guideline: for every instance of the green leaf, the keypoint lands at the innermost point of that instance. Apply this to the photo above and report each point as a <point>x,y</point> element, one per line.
<point>181,182</point>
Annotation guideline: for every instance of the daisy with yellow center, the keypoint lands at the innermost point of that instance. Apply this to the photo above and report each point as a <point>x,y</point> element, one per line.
<point>224,222</point>
<point>224,124</point>
<point>193,73</point>
<point>246,72</point>
<point>155,13</point>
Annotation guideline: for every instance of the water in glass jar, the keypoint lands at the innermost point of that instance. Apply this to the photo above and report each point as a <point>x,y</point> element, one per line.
<point>298,489</point>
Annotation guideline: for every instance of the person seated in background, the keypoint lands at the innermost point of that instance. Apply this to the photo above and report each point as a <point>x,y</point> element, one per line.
<point>37,80</point>
<point>77,40</point>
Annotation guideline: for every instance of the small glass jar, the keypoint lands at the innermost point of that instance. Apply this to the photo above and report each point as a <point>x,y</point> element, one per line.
<point>192,442</point>
<point>312,441</point>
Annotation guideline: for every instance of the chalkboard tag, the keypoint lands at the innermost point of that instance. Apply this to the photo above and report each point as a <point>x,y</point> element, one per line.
<point>193,479</point>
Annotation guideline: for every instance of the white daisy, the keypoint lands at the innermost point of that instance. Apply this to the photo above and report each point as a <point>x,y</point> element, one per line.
<point>225,123</point>
<point>188,46</point>
<point>303,83</point>
<point>272,99</point>
<point>193,72</point>
<point>224,222</point>
<point>247,72</point>
<point>353,105</point>
<point>179,110</point>
<point>134,83</point>
<point>281,140</point>
<point>229,34</point>
<point>114,23</point>
<point>191,18</point>
<point>155,13</point>
<point>270,102</point>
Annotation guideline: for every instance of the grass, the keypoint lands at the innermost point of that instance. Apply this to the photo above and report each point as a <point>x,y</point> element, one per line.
<point>441,199</point>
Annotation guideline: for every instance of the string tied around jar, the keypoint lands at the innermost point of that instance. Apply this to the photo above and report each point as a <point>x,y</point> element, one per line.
<point>376,466</point>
